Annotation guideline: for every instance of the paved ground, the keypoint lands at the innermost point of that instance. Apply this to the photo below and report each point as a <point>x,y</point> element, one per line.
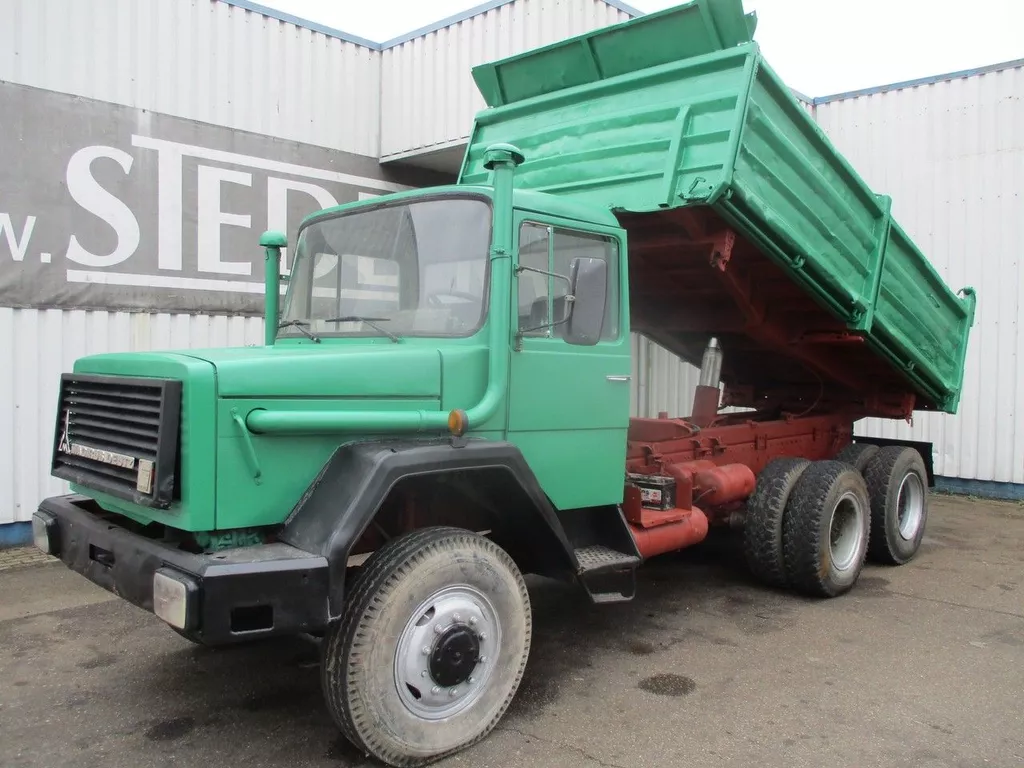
<point>921,666</point>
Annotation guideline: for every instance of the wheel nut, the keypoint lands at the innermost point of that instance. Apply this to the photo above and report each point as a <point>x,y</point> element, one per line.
<point>472,621</point>
<point>423,673</point>
<point>435,690</point>
<point>482,635</point>
<point>453,692</point>
<point>426,650</point>
<point>483,659</point>
<point>456,617</point>
<point>472,679</point>
<point>438,629</point>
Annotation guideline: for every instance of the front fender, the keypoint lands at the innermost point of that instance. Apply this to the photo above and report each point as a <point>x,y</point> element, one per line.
<point>342,500</point>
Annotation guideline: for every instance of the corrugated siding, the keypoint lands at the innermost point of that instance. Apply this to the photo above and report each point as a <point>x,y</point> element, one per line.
<point>38,345</point>
<point>429,98</point>
<point>201,60</point>
<point>951,155</point>
<point>661,381</point>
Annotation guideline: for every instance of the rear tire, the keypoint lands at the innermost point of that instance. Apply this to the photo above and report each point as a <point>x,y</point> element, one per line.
<point>898,486</point>
<point>762,528</point>
<point>858,455</point>
<point>825,529</point>
<point>431,647</point>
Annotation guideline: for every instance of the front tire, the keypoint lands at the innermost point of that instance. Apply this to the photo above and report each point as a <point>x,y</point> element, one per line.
<point>898,485</point>
<point>431,648</point>
<point>825,529</point>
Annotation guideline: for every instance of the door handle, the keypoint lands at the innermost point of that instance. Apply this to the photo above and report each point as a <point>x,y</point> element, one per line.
<point>618,378</point>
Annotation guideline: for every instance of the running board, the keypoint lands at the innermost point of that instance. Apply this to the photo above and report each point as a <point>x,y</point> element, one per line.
<point>609,576</point>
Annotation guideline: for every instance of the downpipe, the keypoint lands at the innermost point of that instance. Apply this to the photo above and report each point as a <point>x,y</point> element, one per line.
<point>502,159</point>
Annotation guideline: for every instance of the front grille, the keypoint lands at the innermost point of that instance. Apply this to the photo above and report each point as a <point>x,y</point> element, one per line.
<point>119,435</point>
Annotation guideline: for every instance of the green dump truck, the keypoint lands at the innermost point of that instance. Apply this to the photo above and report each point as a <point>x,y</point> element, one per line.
<point>443,401</point>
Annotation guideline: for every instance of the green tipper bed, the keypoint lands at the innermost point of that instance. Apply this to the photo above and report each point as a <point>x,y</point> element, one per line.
<point>679,108</point>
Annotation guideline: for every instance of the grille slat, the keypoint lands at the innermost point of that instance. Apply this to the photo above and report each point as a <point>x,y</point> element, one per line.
<point>143,433</point>
<point>136,419</point>
<point>99,468</point>
<point>132,423</point>
<point>116,391</point>
<point>114,443</point>
<point>104,405</point>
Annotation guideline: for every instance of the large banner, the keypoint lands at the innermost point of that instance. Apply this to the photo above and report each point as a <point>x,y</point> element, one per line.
<point>110,207</point>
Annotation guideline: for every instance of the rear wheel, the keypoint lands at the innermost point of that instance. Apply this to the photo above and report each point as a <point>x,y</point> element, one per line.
<point>858,455</point>
<point>825,529</point>
<point>431,648</point>
<point>762,528</point>
<point>898,486</point>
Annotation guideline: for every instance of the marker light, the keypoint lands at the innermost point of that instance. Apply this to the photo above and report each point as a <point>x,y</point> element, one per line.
<point>458,423</point>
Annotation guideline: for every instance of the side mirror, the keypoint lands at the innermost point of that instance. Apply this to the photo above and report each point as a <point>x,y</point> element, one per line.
<point>589,280</point>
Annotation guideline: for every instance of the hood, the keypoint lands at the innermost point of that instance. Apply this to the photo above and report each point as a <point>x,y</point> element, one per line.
<point>327,370</point>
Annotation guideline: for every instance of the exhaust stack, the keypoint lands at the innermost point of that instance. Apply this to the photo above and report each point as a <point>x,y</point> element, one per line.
<point>706,397</point>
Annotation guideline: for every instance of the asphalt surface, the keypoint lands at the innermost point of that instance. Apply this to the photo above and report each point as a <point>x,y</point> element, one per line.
<point>919,666</point>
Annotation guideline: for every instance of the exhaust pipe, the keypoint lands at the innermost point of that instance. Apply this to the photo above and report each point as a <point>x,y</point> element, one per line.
<point>706,397</point>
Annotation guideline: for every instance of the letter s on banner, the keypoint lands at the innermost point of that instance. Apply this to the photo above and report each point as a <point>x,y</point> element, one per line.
<point>87,192</point>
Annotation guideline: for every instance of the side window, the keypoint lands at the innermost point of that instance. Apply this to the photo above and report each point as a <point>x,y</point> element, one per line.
<point>542,297</point>
<point>534,253</point>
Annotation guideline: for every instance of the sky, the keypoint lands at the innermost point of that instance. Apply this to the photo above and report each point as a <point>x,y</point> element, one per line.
<point>818,47</point>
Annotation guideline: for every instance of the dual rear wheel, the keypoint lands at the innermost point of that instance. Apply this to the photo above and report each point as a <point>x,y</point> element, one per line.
<point>811,526</point>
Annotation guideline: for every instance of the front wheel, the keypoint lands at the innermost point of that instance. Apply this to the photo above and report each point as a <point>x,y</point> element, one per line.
<point>431,648</point>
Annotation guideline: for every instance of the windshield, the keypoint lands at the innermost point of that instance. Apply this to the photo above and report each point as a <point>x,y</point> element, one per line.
<point>411,269</point>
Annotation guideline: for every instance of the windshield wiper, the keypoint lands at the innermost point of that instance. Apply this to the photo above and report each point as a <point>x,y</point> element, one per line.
<point>370,321</point>
<point>301,325</point>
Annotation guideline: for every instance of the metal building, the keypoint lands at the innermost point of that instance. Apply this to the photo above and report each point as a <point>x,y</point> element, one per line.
<point>148,142</point>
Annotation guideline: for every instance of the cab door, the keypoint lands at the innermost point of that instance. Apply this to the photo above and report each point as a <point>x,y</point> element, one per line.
<point>568,404</point>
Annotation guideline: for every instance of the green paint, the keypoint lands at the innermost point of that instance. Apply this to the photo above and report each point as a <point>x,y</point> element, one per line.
<point>680,108</point>
<point>670,110</point>
<point>215,541</point>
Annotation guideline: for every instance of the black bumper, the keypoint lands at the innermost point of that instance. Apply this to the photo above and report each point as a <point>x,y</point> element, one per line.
<point>239,594</point>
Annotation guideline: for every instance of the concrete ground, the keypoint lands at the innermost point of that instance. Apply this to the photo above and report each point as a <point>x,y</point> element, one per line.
<point>919,666</point>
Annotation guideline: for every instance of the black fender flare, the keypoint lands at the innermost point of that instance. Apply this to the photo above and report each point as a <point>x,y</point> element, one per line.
<point>346,494</point>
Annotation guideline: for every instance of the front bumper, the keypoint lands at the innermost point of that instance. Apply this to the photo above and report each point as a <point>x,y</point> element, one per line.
<point>233,595</point>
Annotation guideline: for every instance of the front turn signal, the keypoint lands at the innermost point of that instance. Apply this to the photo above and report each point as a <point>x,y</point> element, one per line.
<point>458,422</point>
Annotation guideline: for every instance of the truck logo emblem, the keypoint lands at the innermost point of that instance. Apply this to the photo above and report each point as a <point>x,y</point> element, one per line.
<point>96,454</point>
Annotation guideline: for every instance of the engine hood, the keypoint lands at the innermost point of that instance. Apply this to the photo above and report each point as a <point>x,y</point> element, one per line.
<point>328,370</point>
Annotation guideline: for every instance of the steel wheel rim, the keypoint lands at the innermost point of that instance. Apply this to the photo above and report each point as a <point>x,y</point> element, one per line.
<point>453,612</point>
<point>910,506</point>
<point>846,531</point>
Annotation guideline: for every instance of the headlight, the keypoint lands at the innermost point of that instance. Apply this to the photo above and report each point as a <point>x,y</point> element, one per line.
<point>44,533</point>
<point>174,598</point>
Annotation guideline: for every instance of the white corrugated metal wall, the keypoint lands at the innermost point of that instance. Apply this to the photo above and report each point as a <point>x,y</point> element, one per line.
<point>428,96</point>
<point>45,343</point>
<point>958,196</point>
<point>207,61</point>
<point>201,60</point>
<point>951,155</point>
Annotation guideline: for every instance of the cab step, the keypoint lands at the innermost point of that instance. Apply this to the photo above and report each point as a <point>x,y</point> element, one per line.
<point>608,575</point>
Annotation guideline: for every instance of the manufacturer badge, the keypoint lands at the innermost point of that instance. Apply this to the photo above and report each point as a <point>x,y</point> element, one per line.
<point>144,482</point>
